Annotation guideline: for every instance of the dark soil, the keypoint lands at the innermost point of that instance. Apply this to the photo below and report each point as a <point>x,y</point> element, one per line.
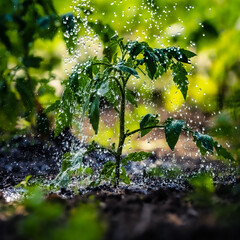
<point>158,211</point>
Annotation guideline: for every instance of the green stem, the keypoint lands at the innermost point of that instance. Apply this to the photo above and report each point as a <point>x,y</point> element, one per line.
<point>122,135</point>
<point>145,128</point>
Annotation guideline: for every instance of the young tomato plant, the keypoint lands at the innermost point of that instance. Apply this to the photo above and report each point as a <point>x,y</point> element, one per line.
<point>108,78</point>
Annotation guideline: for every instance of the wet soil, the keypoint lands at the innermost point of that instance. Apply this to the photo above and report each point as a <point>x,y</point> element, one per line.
<point>157,211</point>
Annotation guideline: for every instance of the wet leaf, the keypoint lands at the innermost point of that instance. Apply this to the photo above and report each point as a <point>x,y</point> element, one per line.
<point>180,78</point>
<point>103,89</point>
<point>135,48</point>
<point>136,157</point>
<point>150,60</point>
<point>108,170</point>
<point>147,121</point>
<point>94,113</point>
<point>222,152</point>
<point>66,162</point>
<point>64,120</point>
<point>204,142</point>
<point>124,177</point>
<point>173,129</point>
<point>122,67</point>
<point>74,83</point>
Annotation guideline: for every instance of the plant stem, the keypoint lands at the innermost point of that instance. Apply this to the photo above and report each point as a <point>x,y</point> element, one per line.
<point>145,128</point>
<point>122,135</point>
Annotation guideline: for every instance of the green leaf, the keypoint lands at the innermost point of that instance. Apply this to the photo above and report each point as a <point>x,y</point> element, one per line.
<point>103,89</point>
<point>221,151</point>
<point>135,48</point>
<point>94,113</point>
<point>122,67</point>
<point>136,157</point>
<point>124,177</point>
<point>66,162</point>
<point>74,83</point>
<point>147,121</point>
<point>180,78</point>
<point>131,98</point>
<point>173,129</point>
<point>188,53</point>
<point>64,120</point>
<point>52,107</point>
<point>150,59</point>
<point>204,142</point>
<point>163,58</point>
<point>202,183</point>
<point>108,170</point>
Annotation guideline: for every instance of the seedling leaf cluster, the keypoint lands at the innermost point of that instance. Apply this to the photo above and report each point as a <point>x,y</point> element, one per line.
<point>108,79</point>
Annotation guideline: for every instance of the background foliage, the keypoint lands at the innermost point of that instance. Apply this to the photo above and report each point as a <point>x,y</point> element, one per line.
<point>36,36</point>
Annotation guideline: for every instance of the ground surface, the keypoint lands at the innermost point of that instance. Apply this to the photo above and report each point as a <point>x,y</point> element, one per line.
<point>158,210</point>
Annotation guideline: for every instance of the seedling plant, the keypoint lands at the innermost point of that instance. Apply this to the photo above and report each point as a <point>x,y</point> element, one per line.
<point>108,79</point>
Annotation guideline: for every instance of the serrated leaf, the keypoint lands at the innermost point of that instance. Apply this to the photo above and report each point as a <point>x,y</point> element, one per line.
<point>163,58</point>
<point>221,151</point>
<point>188,53</point>
<point>122,67</point>
<point>135,48</point>
<point>136,157</point>
<point>172,132</point>
<point>52,107</point>
<point>130,97</point>
<point>180,78</point>
<point>124,177</point>
<point>204,142</point>
<point>147,121</point>
<point>150,60</point>
<point>94,114</point>
<point>176,53</point>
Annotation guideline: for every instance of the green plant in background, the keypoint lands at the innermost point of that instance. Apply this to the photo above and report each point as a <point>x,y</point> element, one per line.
<point>49,219</point>
<point>203,189</point>
<point>25,74</point>
<point>108,79</point>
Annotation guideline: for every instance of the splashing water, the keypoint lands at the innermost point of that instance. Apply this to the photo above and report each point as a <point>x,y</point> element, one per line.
<point>158,25</point>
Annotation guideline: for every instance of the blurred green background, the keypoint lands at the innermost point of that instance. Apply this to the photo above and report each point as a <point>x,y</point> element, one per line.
<point>41,40</point>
